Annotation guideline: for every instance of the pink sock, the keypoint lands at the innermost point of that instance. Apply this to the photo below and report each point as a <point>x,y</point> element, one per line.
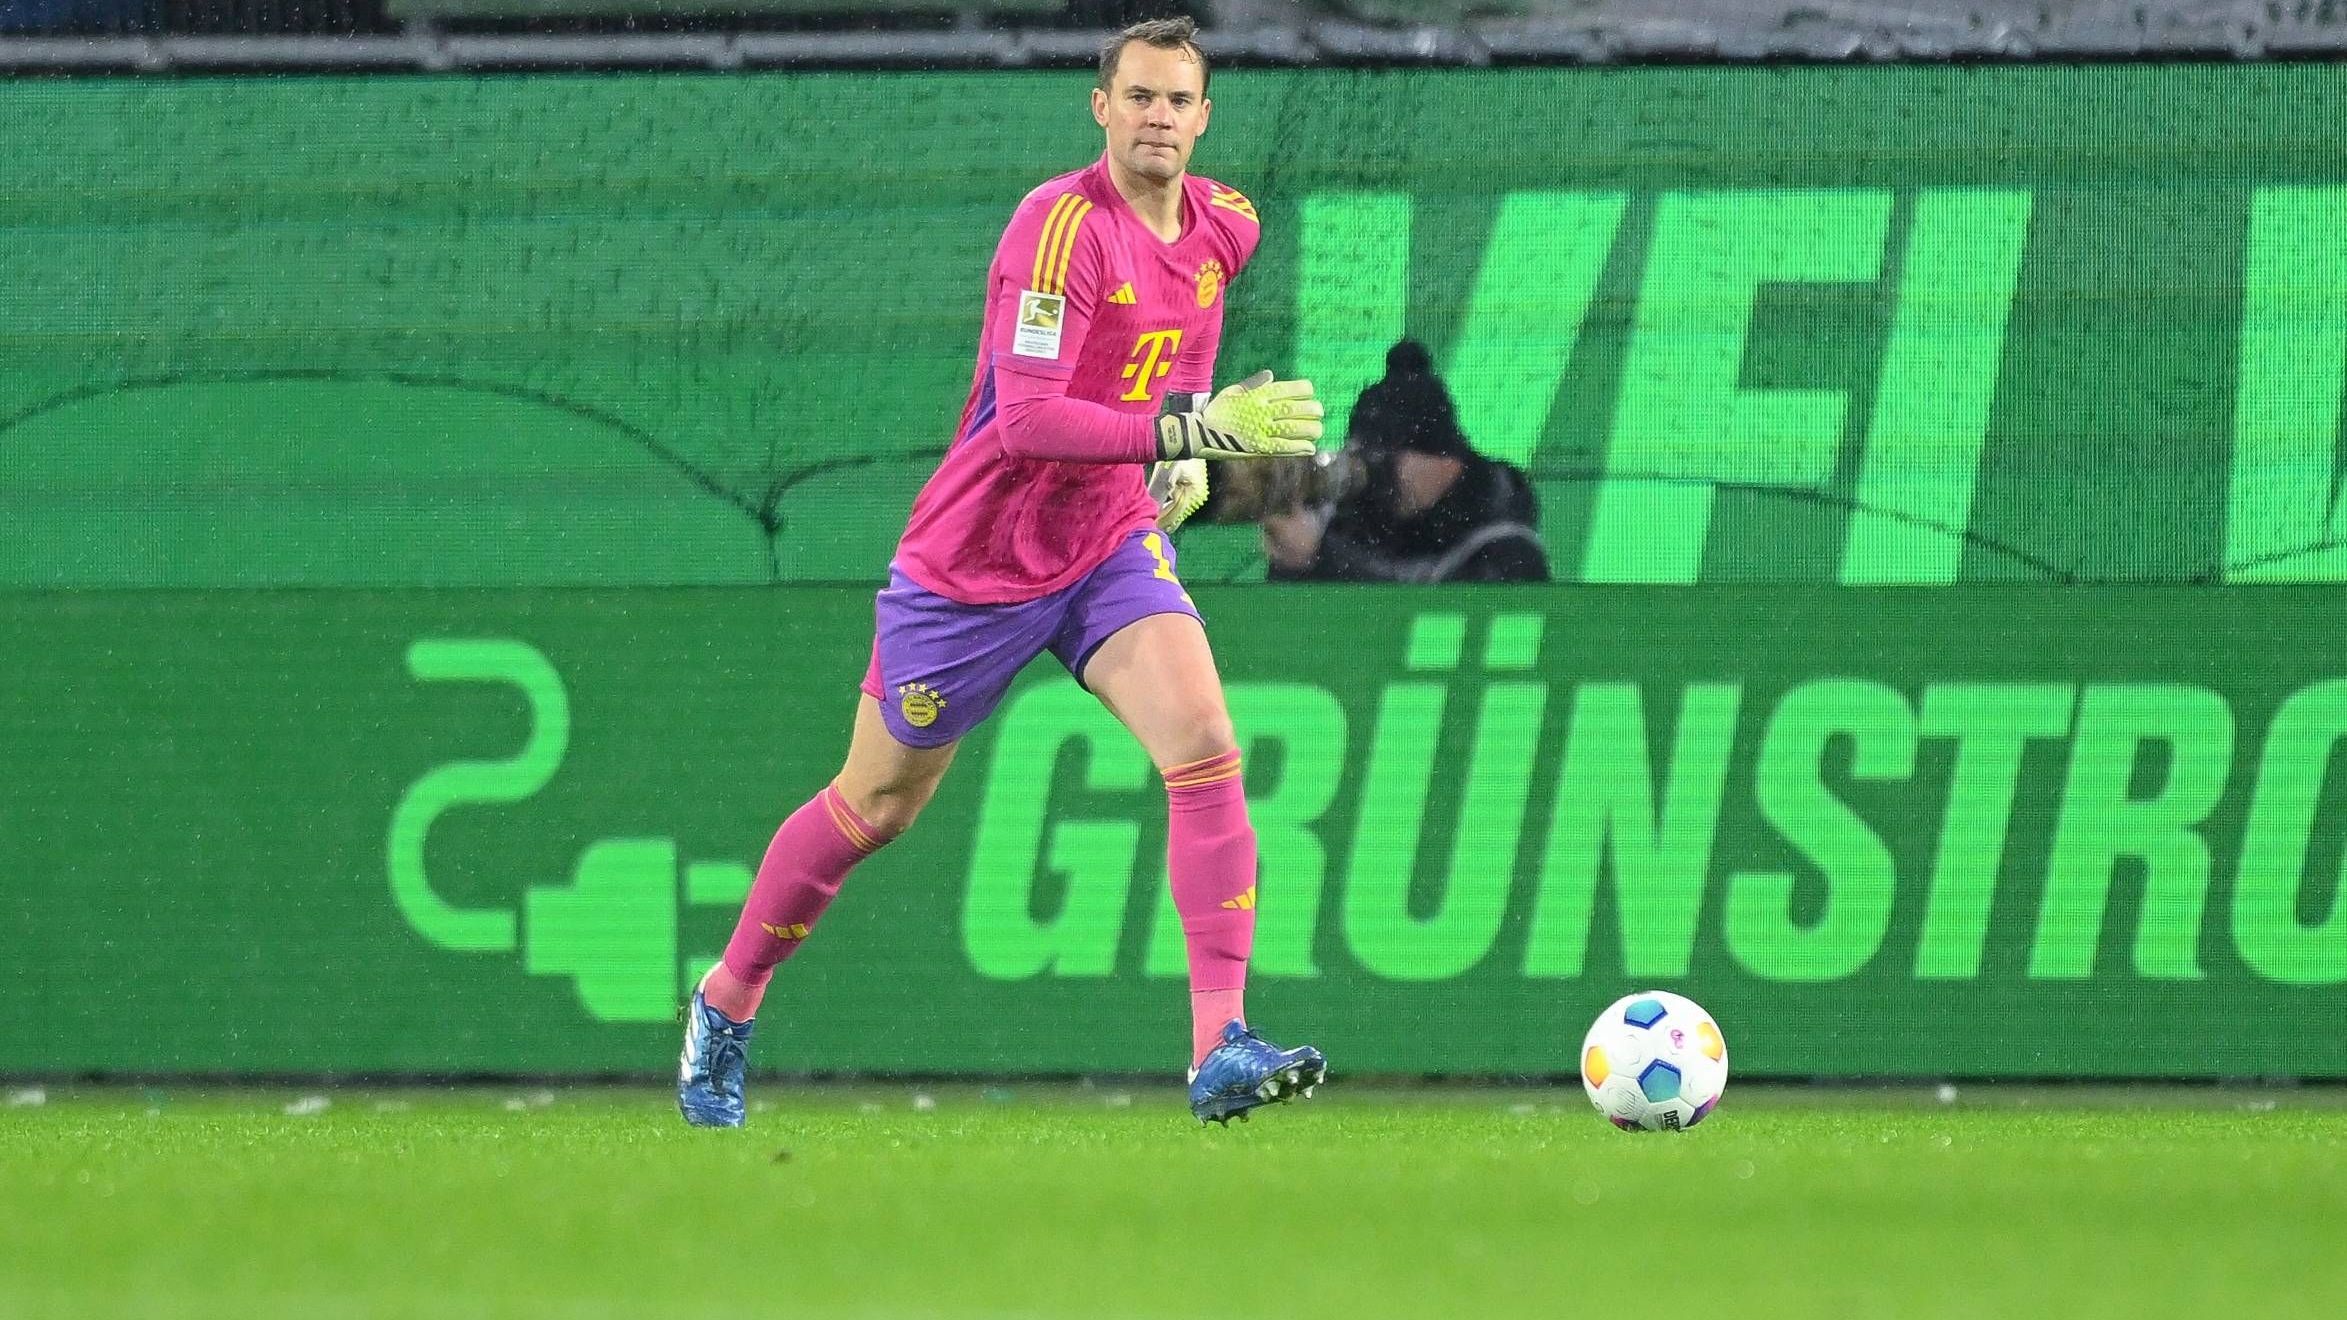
<point>1210,860</point>
<point>811,854</point>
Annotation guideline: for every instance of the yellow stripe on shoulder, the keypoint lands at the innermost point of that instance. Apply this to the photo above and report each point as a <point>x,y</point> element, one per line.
<point>1231,199</point>
<point>1048,240</point>
<point>1064,256</point>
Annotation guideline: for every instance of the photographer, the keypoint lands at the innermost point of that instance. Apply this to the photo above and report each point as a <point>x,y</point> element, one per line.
<point>1407,499</point>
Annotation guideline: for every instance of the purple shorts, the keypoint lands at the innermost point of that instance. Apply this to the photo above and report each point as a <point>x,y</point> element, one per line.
<point>940,667</point>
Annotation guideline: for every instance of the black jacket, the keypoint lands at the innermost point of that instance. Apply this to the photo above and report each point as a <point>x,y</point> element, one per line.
<point>1484,529</point>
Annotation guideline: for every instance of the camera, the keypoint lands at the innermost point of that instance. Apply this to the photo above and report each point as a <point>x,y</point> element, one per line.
<point>1249,492</point>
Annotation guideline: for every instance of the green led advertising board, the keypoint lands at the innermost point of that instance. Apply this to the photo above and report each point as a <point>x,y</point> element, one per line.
<point>1970,830</point>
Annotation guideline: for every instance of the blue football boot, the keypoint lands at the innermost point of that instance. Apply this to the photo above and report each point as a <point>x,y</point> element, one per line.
<point>1247,1070</point>
<point>709,1073</point>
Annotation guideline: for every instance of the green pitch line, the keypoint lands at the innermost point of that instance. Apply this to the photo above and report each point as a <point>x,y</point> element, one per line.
<point>1094,1202</point>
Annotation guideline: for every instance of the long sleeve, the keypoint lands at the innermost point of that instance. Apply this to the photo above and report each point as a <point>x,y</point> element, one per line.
<point>1039,420</point>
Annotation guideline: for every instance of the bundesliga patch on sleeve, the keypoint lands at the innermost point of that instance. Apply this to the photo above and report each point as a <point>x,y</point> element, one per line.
<point>1040,318</point>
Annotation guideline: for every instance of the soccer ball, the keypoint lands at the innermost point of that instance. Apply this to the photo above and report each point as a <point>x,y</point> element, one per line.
<point>1654,1062</point>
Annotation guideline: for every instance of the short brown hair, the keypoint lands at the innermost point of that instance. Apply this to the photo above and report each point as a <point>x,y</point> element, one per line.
<point>1163,33</point>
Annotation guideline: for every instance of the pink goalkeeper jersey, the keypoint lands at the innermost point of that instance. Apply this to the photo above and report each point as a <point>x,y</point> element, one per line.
<point>1090,320</point>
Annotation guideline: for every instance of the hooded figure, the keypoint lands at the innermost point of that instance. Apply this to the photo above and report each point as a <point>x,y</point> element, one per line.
<point>1430,510</point>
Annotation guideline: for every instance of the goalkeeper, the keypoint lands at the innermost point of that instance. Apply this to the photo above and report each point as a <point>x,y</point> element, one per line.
<point>1040,532</point>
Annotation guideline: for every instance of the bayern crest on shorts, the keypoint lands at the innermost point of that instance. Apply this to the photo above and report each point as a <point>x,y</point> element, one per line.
<point>920,704</point>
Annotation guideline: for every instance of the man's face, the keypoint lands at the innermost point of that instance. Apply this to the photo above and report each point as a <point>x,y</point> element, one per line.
<point>1156,112</point>
<point>1420,480</point>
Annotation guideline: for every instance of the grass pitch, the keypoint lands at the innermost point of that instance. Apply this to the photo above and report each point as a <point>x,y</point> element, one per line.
<point>1067,1201</point>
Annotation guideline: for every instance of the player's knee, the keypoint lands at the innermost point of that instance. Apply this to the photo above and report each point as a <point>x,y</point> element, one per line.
<point>1208,736</point>
<point>893,807</point>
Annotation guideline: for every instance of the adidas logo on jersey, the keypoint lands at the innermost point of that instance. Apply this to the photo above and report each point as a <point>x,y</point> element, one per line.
<point>1124,296</point>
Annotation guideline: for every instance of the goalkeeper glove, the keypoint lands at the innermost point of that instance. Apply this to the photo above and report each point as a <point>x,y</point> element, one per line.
<point>1257,418</point>
<point>1179,488</point>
